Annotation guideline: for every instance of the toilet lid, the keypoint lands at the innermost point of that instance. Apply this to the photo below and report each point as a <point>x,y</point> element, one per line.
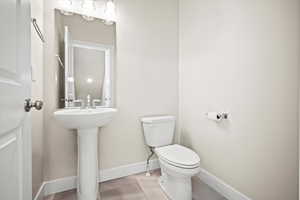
<point>179,156</point>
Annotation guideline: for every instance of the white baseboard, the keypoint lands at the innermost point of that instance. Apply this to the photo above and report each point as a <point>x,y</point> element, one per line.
<point>40,194</point>
<point>220,186</point>
<point>127,170</point>
<point>69,183</point>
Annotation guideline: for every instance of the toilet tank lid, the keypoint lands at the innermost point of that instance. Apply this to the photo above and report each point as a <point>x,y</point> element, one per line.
<point>158,119</point>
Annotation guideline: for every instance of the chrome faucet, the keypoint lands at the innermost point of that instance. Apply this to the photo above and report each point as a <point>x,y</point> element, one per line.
<point>88,101</point>
<point>80,101</point>
<point>95,102</point>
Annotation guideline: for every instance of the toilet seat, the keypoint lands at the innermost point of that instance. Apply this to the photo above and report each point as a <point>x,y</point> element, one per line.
<point>178,156</point>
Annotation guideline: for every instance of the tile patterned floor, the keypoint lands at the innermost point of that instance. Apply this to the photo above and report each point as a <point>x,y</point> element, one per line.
<point>140,187</point>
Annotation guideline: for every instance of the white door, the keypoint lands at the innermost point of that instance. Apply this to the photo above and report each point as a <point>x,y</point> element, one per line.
<point>15,135</point>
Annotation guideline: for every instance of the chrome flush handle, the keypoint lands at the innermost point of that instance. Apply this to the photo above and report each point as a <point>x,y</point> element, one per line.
<point>38,105</point>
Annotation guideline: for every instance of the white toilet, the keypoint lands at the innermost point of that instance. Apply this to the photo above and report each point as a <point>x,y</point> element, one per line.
<point>178,163</point>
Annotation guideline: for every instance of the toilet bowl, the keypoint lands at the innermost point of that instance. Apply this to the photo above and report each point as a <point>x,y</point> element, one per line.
<point>178,163</point>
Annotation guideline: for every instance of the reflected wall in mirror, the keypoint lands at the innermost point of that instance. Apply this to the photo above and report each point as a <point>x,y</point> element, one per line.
<point>88,50</point>
<point>89,65</point>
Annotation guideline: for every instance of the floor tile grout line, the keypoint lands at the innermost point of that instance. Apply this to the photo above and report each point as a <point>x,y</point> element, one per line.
<point>144,190</point>
<point>141,188</point>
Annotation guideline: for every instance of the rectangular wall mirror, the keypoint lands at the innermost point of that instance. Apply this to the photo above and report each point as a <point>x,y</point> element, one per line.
<point>87,49</point>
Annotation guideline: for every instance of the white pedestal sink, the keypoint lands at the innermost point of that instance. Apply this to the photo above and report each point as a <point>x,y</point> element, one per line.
<point>86,121</point>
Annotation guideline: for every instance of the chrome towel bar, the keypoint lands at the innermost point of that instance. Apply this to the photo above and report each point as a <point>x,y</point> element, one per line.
<point>37,29</point>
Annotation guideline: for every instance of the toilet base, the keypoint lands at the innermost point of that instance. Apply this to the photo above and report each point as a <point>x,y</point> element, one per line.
<point>87,197</point>
<point>160,182</point>
<point>176,188</point>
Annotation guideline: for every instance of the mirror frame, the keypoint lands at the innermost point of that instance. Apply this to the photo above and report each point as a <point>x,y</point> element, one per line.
<point>107,90</point>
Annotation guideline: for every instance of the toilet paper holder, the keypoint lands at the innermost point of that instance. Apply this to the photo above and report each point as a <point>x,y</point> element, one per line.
<point>217,116</point>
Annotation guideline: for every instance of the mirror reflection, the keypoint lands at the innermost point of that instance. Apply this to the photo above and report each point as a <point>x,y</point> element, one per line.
<point>87,53</point>
<point>89,70</point>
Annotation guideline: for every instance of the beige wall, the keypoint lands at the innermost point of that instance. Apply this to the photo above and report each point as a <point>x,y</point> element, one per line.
<point>243,57</point>
<point>37,94</point>
<point>146,84</point>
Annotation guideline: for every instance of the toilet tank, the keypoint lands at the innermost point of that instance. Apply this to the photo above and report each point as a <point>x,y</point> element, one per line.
<point>158,131</point>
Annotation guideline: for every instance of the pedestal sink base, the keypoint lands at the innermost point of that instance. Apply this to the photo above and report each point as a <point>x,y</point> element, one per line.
<point>86,121</point>
<point>88,164</point>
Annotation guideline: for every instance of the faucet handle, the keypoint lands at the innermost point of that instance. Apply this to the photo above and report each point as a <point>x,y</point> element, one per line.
<point>96,101</point>
<point>79,101</point>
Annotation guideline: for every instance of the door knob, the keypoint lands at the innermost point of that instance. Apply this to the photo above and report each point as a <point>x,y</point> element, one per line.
<point>38,105</point>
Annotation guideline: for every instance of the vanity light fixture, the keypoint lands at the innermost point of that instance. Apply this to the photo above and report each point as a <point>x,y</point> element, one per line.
<point>88,7</point>
<point>110,12</point>
<point>66,4</point>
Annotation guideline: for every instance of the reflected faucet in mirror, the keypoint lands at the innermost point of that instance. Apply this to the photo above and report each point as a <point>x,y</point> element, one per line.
<point>82,105</point>
<point>88,101</point>
<point>95,102</point>
<point>79,101</point>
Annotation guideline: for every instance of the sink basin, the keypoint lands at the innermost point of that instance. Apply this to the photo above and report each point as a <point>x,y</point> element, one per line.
<point>87,122</point>
<point>84,118</point>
